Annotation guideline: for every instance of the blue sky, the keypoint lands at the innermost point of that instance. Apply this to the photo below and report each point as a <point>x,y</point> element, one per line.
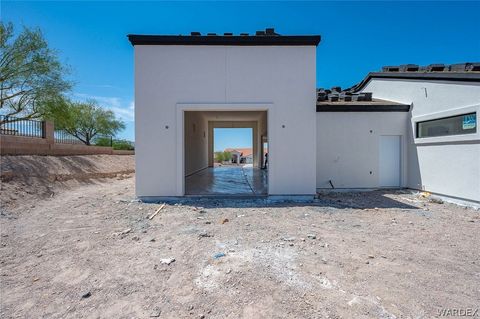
<point>232,137</point>
<point>357,37</point>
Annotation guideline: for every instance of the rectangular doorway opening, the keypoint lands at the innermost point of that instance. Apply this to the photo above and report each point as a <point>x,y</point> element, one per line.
<point>224,153</point>
<point>389,161</point>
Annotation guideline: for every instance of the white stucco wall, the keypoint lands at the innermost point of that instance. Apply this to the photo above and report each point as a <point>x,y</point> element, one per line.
<point>259,158</point>
<point>196,142</point>
<point>348,147</point>
<point>445,165</point>
<point>281,78</point>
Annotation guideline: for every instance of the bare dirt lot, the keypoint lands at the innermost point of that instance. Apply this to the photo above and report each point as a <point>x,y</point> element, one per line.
<point>86,249</point>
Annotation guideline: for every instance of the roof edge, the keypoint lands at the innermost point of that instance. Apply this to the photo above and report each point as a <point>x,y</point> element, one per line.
<point>363,108</point>
<point>234,40</point>
<point>438,76</point>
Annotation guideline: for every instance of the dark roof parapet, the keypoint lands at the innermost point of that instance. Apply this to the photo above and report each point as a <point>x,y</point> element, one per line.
<point>461,72</point>
<point>436,67</point>
<point>267,37</point>
<point>363,107</point>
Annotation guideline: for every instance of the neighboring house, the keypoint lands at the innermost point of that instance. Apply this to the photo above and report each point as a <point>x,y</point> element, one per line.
<point>403,127</point>
<point>241,155</point>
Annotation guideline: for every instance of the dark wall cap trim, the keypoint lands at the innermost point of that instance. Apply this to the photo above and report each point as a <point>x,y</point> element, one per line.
<point>435,76</point>
<point>283,40</point>
<point>363,108</point>
<point>450,76</point>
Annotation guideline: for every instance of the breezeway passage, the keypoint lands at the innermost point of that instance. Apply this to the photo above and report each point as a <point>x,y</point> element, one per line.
<point>202,175</point>
<point>227,180</point>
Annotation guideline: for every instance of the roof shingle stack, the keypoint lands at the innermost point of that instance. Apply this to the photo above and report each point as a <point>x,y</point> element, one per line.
<point>459,67</point>
<point>337,95</point>
<point>266,32</point>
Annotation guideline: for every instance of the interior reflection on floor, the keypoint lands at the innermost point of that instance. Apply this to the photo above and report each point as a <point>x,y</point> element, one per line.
<point>227,180</point>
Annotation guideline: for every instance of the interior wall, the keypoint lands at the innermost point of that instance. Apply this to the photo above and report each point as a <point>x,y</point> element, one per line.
<point>262,131</point>
<point>196,142</point>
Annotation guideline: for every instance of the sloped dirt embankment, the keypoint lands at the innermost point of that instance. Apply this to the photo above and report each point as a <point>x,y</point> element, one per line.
<point>29,177</point>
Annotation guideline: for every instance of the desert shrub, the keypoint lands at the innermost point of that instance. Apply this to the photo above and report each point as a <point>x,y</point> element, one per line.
<point>123,145</point>
<point>117,144</point>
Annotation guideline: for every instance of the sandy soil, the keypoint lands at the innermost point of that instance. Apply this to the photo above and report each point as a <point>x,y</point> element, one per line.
<point>90,251</point>
<point>33,177</point>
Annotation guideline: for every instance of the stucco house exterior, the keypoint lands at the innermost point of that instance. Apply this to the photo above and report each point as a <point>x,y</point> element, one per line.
<point>241,155</point>
<point>404,127</point>
<point>423,120</point>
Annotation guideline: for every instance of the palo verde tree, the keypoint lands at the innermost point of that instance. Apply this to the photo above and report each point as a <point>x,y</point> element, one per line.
<point>218,157</point>
<point>83,120</point>
<point>30,74</point>
<point>223,157</point>
<point>227,156</point>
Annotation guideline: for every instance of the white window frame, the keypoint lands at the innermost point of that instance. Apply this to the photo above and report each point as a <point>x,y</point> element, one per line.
<point>446,138</point>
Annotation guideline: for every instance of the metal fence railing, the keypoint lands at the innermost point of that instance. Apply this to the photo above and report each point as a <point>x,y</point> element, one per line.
<point>35,128</point>
<point>13,126</point>
<point>63,137</point>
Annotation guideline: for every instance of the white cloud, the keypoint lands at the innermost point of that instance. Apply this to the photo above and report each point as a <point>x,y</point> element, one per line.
<point>120,107</point>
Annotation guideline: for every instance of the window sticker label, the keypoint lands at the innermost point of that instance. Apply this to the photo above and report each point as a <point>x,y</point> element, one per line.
<point>469,121</point>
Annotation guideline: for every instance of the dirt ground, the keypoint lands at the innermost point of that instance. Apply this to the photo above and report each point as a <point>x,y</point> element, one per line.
<point>86,249</point>
<point>33,177</point>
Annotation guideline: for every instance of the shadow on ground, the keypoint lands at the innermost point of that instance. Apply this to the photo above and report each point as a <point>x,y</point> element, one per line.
<point>339,200</point>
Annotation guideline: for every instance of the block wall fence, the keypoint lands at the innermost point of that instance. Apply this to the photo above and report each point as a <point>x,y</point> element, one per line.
<point>46,145</point>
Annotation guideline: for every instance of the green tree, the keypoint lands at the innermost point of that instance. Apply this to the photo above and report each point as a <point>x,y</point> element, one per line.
<point>83,120</point>
<point>30,73</point>
<point>218,157</point>
<point>227,156</point>
<point>223,157</point>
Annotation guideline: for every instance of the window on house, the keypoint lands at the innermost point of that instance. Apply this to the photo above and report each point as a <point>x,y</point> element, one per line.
<point>453,125</point>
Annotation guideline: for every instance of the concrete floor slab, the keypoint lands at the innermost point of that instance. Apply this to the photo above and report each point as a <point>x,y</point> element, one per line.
<point>227,180</point>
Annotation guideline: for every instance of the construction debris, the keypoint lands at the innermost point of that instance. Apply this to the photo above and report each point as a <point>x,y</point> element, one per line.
<point>204,234</point>
<point>167,261</point>
<point>86,294</point>
<point>156,212</point>
<point>218,255</point>
<point>425,194</point>
<point>435,200</point>
<point>126,231</point>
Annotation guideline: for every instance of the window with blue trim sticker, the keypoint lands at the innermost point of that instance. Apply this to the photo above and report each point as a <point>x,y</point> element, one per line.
<point>452,125</point>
